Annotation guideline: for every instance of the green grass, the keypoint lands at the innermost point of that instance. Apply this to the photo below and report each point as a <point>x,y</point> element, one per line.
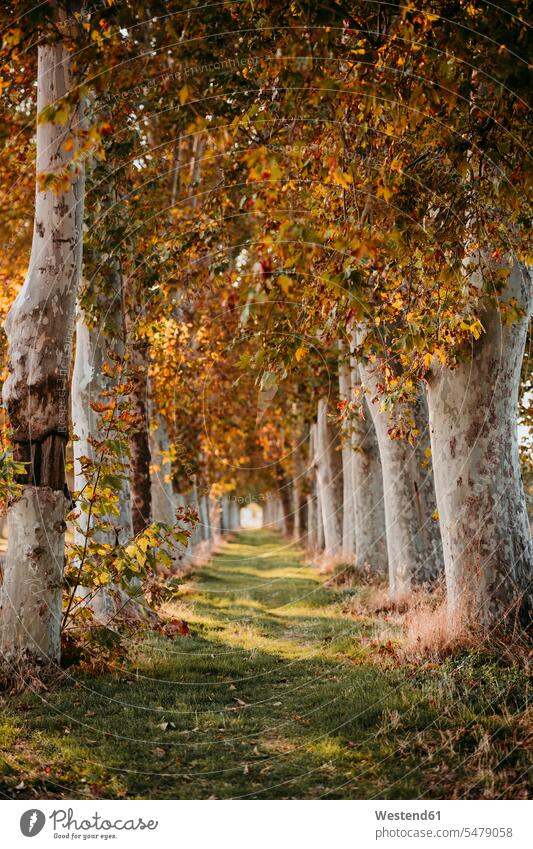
<point>275,695</point>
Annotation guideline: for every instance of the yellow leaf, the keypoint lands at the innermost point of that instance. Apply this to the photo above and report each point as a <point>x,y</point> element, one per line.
<point>285,283</point>
<point>341,178</point>
<point>184,95</point>
<point>300,353</point>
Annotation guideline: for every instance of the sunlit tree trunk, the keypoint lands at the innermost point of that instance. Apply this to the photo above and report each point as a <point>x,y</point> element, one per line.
<point>315,507</point>
<point>413,537</point>
<point>39,328</point>
<point>473,408</point>
<point>367,483</point>
<point>214,513</point>
<point>329,478</point>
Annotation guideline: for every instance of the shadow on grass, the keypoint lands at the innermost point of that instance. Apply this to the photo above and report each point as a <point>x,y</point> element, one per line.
<point>273,696</point>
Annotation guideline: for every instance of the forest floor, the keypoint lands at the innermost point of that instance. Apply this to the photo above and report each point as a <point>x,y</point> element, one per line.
<point>278,692</point>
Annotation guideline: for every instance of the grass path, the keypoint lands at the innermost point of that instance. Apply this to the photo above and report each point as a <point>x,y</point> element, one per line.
<point>274,695</point>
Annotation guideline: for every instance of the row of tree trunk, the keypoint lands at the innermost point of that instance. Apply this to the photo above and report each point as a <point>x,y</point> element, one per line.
<point>451,503</point>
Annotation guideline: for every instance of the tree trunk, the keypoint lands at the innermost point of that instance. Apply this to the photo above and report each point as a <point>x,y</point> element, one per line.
<point>285,495</point>
<point>413,537</point>
<point>204,509</point>
<point>299,499</point>
<point>235,517</point>
<point>163,497</point>
<point>226,512</point>
<point>214,511</point>
<point>88,383</point>
<point>329,477</point>
<point>139,443</point>
<point>348,502</point>
<point>367,483</point>
<point>314,512</point>
<point>488,550</point>
<point>39,328</point>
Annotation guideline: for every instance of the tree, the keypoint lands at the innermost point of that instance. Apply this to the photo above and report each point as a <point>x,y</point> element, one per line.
<point>488,550</point>
<point>39,327</point>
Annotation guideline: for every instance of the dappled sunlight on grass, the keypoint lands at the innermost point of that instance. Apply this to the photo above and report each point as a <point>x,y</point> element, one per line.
<point>274,695</point>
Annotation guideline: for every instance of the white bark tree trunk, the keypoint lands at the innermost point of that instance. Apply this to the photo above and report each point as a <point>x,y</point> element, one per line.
<point>39,328</point>
<point>316,527</point>
<point>235,516</point>
<point>194,501</point>
<point>487,543</point>
<point>163,497</point>
<point>348,502</point>
<point>88,383</point>
<point>367,483</point>
<point>214,513</point>
<point>299,506</point>
<point>413,537</point>
<point>329,478</point>
<point>226,512</point>
<point>205,518</point>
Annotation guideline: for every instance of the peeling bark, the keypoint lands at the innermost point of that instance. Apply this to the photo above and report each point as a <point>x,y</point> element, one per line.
<point>488,549</point>
<point>36,394</point>
<point>31,600</point>
<point>413,537</point>
<point>367,483</point>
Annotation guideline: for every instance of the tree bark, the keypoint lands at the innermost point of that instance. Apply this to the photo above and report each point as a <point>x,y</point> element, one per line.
<point>314,512</point>
<point>226,512</point>
<point>367,483</point>
<point>139,443</point>
<point>329,478</point>
<point>39,328</point>
<point>88,383</point>
<point>488,550</point>
<point>299,498</point>
<point>204,508</point>
<point>285,496</point>
<point>348,501</point>
<point>235,517</point>
<point>413,537</point>
<point>163,497</point>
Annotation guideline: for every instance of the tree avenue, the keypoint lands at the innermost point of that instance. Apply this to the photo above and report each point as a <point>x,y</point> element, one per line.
<point>280,253</point>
